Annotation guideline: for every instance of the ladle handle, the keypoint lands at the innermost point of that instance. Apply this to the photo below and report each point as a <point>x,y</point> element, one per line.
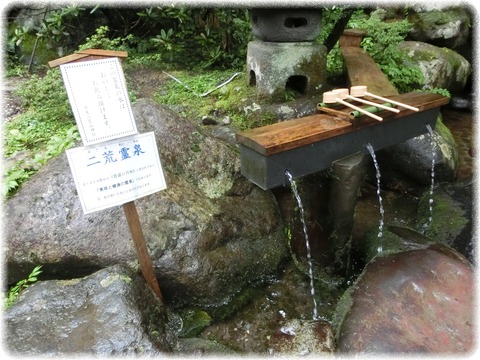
<point>374,104</point>
<point>393,102</point>
<point>373,116</point>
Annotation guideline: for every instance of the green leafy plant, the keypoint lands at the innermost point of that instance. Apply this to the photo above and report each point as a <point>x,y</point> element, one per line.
<point>168,43</point>
<point>381,42</point>
<point>289,95</point>
<point>38,143</point>
<point>16,38</point>
<point>46,97</point>
<point>440,91</point>
<point>57,144</point>
<point>14,177</point>
<point>187,36</point>
<point>14,292</point>
<point>43,131</point>
<point>101,40</point>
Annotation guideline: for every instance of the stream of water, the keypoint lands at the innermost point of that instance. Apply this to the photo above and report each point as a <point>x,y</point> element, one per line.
<point>371,150</point>
<point>307,241</point>
<point>432,177</point>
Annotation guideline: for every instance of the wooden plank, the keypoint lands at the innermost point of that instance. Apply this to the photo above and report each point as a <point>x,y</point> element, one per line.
<point>287,135</point>
<point>362,70</point>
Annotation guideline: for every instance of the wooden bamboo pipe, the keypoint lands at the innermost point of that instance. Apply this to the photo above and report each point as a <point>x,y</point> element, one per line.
<point>345,93</point>
<point>361,90</point>
<point>331,97</point>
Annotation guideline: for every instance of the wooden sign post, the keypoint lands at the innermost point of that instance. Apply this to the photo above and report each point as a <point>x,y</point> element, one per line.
<point>141,247</point>
<point>102,172</point>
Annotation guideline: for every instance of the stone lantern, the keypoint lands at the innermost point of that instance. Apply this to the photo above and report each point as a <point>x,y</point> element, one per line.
<point>285,56</point>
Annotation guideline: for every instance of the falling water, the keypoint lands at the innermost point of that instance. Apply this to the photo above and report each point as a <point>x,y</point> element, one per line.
<point>380,200</point>
<point>307,242</point>
<point>432,176</point>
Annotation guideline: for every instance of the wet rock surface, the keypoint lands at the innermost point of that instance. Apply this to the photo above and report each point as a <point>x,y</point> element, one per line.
<point>299,337</point>
<point>452,216</point>
<point>109,313</point>
<point>462,102</point>
<point>413,158</point>
<point>417,301</point>
<point>209,218</point>
<point>460,124</point>
<point>285,302</point>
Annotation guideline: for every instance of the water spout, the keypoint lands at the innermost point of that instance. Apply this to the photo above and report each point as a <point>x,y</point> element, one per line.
<point>371,150</point>
<point>307,241</point>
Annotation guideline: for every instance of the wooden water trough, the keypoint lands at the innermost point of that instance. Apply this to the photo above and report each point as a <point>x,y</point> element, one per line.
<point>310,144</point>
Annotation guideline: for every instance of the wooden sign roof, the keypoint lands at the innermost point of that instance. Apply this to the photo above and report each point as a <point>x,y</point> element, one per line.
<point>89,54</point>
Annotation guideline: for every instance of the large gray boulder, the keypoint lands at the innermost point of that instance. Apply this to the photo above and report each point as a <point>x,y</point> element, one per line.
<point>111,312</point>
<point>441,67</point>
<point>440,24</point>
<point>209,233</point>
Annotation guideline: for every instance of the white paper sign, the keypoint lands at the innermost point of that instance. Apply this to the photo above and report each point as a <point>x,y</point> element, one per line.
<point>99,99</point>
<point>116,172</point>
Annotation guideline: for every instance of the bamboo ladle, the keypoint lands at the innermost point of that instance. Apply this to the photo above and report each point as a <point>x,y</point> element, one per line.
<point>332,97</point>
<point>344,92</point>
<point>361,90</point>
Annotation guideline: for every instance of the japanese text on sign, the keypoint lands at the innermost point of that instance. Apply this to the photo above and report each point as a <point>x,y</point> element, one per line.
<point>99,99</point>
<point>116,172</point>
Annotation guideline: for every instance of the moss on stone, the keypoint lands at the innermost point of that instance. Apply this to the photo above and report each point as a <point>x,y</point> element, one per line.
<point>216,187</point>
<point>42,53</point>
<point>447,146</point>
<point>394,239</point>
<point>233,305</point>
<point>69,282</point>
<point>448,217</point>
<point>113,278</point>
<point>437,18</point>
<point>194,321</point>
<point>343,307</point>
<point>388,242</point>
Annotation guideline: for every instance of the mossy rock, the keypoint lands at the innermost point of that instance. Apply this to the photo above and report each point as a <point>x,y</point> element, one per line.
<point>451,216</point>
<point>194,321</point>
<point>441,67</point>
<point>394,239</point>
<point>442,27</point>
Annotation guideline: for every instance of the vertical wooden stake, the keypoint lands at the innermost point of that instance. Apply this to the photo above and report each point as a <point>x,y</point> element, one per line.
<point>142,252</point>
